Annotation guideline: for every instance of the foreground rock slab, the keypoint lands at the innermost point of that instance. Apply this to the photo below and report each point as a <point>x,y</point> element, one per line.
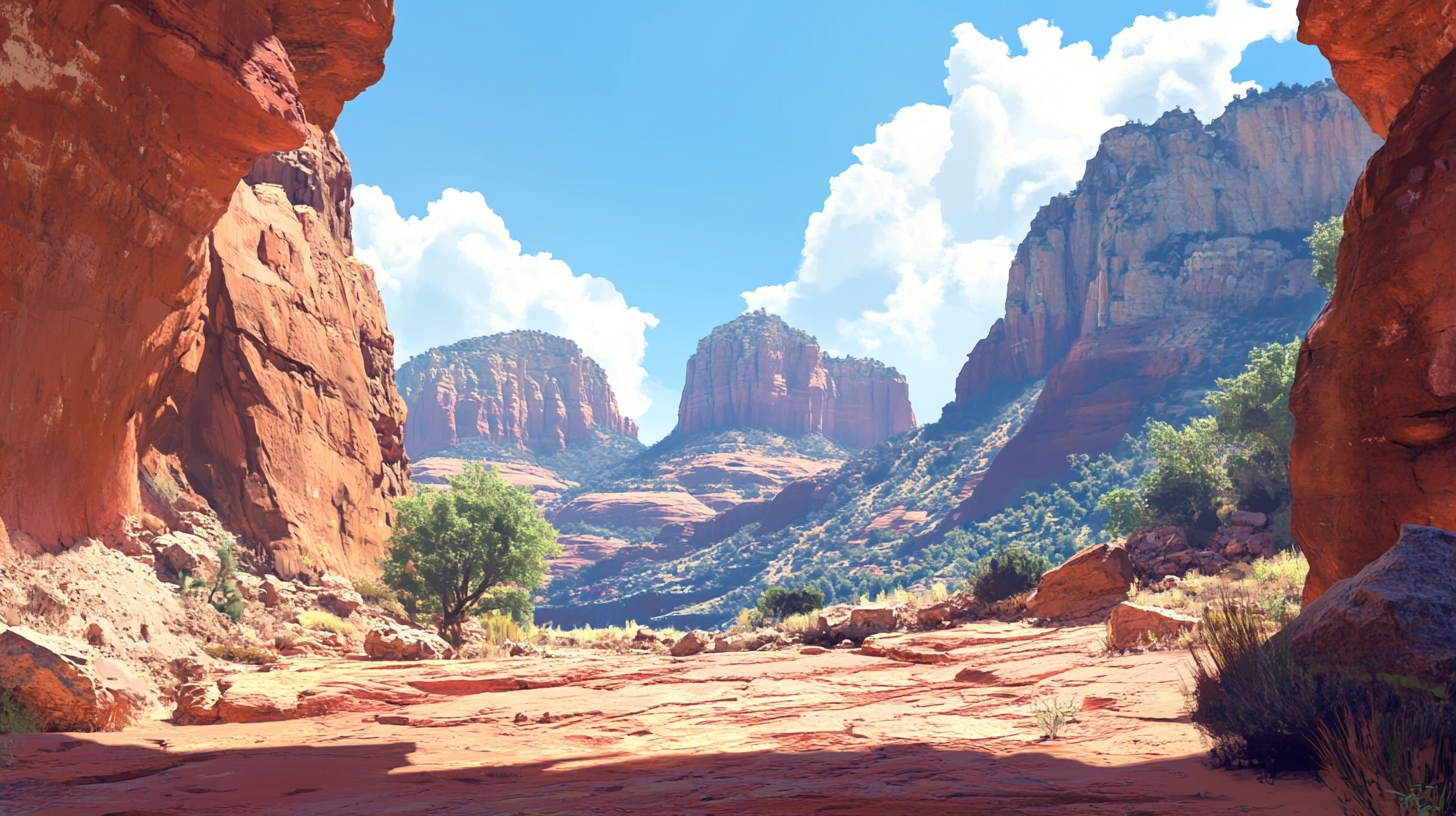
<point>1087,585</point>
<point>1398,615</point>
<point>745,732</point>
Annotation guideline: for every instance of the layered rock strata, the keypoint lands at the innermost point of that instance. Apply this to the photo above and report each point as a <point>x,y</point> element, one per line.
<point>129,127</point>
<point>1180,248</point>
<point>757,371</point>
<point>1374,399</point>
<point>525,389</point>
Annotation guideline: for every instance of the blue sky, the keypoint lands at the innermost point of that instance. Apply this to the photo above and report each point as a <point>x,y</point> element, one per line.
<point>671,154</point>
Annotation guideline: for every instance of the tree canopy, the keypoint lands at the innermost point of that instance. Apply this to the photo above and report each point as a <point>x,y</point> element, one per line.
<point>1324,246</point>
<point>779,603</point>
<point>451,549</point>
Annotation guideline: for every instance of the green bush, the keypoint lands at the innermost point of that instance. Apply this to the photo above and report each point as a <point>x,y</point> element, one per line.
<point>451,548</point>
<point>1189,478</point>
<point>777,603</point>
<point>1127,512</point>
<point>15,716</point>
<point>1324,247</point>
<point>1009,573</point>
<point>224,595</point>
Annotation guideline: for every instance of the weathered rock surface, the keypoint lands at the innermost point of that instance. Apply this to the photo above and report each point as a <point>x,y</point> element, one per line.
<point>1375,396</point>
<point>188,553</point>
<point>57,683</point>
<point>527,389</point>
<point>757,371</point>
<point>129,130</point>
<point>545,485</point>
<point>1179,249</point>
<point>650,734</point>
<point>1132,625</point>
<point>641,508</point>
<point>1397,615</point>
<point>691,643</point>
<point>390,641</point>
<point>1088,584</point>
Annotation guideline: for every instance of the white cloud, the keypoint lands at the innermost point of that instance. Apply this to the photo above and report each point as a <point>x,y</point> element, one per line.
<point>907,261</point>
<point>457,273</point>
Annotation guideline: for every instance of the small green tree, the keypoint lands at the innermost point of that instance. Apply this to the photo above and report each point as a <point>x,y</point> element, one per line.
<point>224,595</point>
<point>779,603</point>
<point>1189,478</point>
<point>1127,512</point>
<point>1251,412</point>
<point>450,549</point>
<point>1011,572</point>
<point>1324,246</point>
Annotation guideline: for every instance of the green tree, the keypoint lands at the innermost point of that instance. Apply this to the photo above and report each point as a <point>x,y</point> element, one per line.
<point>1324,246</point>
<point>1189,478</point>
<point>450,549</point>
<point>1127,512</point>
<point>1251,412</point>
<point>1011,572</point>
<point>779,603</point>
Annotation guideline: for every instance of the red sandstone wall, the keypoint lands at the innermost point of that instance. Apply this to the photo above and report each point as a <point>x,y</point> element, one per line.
<point>129,125</point>
<point>524,388</point>
<point>758,371</point>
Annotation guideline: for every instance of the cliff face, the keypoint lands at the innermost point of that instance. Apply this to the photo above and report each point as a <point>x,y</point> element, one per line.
<point>129,127</point>
<point>1375,395</point>
<point>1176,252</point>
<point>525,388</point>
<point>287,419</point>
<point>758,371</point>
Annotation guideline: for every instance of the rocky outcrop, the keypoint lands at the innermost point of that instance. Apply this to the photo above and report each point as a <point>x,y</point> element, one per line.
<point>1396,616</point>
<point>1180,248</point>
<point>391,641</point>
<point>1088,584</point>
<point>57,684</point>
<point>1132,625</point>
<point>1374,399</point>
<point>641,508</point>
<point>759,372</point>
<point>129,129</point>
<point>286,418</point>
<point>525,389</point>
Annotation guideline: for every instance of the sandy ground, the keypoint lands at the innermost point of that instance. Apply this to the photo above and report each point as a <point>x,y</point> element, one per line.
<point>745,733</point>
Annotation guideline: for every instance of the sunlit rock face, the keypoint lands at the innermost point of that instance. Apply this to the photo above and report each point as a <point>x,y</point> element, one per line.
<point>128,130</point>
<point>759,372</point>
<point>526,389</point>
<point>1375,395</point>
<point>1179,249</point>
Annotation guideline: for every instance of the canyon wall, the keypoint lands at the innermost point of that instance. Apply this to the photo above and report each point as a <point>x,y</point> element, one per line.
<point>757,371</point>
<point>1179,249</point>
<point>529,389</point>
<point>1375,394</point>
<point>129,127</point>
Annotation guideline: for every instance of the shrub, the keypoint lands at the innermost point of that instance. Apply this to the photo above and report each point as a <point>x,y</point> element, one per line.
<point>777,603</point>
<point>1051,715</point>
<point>450,549</point>
<point>15,716</point>
<point>502,628</point>
<point>1395,762</point>
<point>1127,512</point>
<point>1013,572</point>
<point>374,592</point>
<point>224,594</point>
<point>1324,247</point>
<point>253,655</point>
<point>324,622</point>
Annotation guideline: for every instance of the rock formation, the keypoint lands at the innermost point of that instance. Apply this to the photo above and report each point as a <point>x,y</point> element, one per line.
<point>757,371</point>
<point>1180,247</point>
<point>527,389</point>
<point>1375,396</point>
<point>286,418</point>
<point>129,127</point>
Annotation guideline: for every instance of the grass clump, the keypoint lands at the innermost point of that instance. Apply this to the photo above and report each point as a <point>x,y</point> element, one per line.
<point>1013,572</point>
<point>1400,761</point>
<point>16,717</point>
<point>252,655</point>
<point>320,621</point>
<point>1051,716</point>
<point>1274,586</point>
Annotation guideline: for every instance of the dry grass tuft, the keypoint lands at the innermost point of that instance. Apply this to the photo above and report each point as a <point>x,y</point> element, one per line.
<point>1274,586</point>
<point>253,655</point>
<point>324,622</point>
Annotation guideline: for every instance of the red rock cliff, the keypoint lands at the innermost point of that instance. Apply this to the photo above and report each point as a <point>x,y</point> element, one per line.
<point>1375,396</point>
<point>129,125</point>
<point>287,419</point>
<point>758,371</point>
<point>530,389</point>
<point>1175,253</point>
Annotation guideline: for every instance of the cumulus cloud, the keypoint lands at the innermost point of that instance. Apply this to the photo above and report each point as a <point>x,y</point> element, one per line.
<point>457,273</point>
<point>907,261</point>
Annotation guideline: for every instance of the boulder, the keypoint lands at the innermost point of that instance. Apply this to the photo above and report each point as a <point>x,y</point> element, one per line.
<point>1133,625</point>
<point>691,643</point>
<point>645,635</point>
<point>188,553</point>
<point>272,591</point>
<point>958,606</point>
<point>730,643</point>
<point>58,683</point>
<point>831,619</point>
<point>1089,584</point>
<point>1397,615</point>
<point>878,618</point>
<point>342,602</point>
<point>196,704</point>
<point>390,641</point>
<point>1248,519</point>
